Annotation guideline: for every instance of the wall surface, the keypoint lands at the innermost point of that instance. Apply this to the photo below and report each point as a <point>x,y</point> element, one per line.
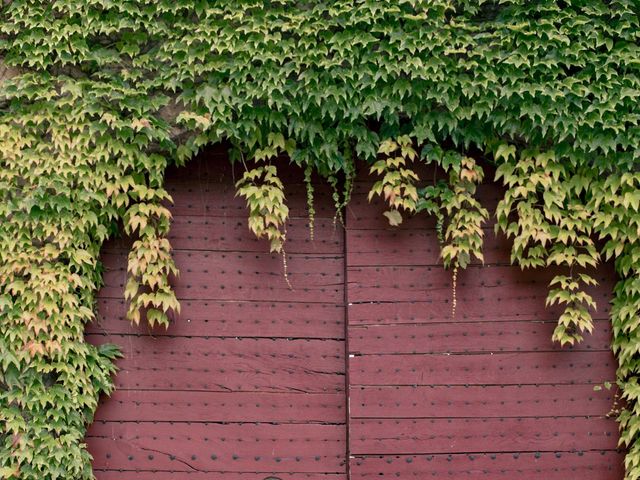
<point>249,381</point>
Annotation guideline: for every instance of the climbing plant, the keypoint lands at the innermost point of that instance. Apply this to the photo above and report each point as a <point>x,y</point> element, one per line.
<point>97,97</point>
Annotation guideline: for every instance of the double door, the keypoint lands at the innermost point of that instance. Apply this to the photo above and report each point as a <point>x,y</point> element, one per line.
<point>360,371</point>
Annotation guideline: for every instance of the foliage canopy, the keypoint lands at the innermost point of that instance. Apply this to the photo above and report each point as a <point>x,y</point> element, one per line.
<point>98,96</point>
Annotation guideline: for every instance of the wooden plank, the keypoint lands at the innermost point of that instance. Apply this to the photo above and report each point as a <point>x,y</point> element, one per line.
<point>175,406</point>
<point>483,369</point>
<point>492,292</point>
<point>243,276</point>
<point>420,436</point>
<point>219,364</point>
<point>243,447</point>
<point>230,319</point>
<point>392,247</point>
<point>231,234</point>
<point>479,401</point>
<point>218,199</point>
<point>595,465</point>
<point>120,474</point>
<point>421,283</point>
<point>212,164</point>
<point>525,306</point>
<point>473,337</point>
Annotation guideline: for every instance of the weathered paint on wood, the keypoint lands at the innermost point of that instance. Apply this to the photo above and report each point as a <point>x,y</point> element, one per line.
<point>206,318</point>
<point>205,406</point>
<point>193,233</point>
<point>209,475</point>
<point>479,401</point>
<point>603,465</point>
<point>414,248</point>
<point>526,304</point>
<point>482,394</point>
<point>482,369</point>
<point>471,337</point>
<point>243,276</point>
<point>217,199</point>
<point>249,382</point>
<point>208,446</point>
<point>462,435</point>
<point>490,284</point>
<point>223,364</point>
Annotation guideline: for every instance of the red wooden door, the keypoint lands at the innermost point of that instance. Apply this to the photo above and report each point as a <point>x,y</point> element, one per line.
<point>249,382</point>
<point>484,394</point>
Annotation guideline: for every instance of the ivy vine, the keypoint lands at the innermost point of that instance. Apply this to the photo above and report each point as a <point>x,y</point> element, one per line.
<point>97,97</point>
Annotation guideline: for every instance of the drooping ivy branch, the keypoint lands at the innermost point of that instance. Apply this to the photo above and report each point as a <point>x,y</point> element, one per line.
<point>97,97</point>
<point>451,202</point>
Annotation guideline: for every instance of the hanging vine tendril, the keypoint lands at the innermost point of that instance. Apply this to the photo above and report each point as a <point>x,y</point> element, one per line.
<point>310,206</point>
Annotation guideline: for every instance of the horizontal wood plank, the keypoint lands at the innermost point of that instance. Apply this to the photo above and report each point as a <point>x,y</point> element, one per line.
<point>483,369</point>
<point>212,164</point>
<point>231,234</point>
<point>176,406</point>
<point>525,305</point>
<point>217,364</point>
<point>242,276</point>
<point>494,285</point>
<point>476,337</point>
<point>265,319</point>
<point>585,465</point>
<point>212,447</point>
<point>391,247</point>
<point>419,436</point>
<point>137,474</point>
<point>480,401</point>
<point>218,199</point>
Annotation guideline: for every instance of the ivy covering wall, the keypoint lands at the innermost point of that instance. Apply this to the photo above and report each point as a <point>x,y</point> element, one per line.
<point>99,96</point>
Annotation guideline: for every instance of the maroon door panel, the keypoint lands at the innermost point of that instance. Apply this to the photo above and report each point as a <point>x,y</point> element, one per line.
<point>249,382</point>
<point>483,394</point>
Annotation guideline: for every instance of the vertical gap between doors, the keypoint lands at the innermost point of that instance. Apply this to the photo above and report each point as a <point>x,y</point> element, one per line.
<point>346,352</point>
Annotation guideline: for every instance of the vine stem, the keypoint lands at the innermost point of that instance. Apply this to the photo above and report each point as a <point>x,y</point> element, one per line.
<point>285,268</point>
<point>454,288</point>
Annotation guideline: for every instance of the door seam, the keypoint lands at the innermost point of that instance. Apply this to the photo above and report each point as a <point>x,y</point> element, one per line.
<point>347,387</point>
